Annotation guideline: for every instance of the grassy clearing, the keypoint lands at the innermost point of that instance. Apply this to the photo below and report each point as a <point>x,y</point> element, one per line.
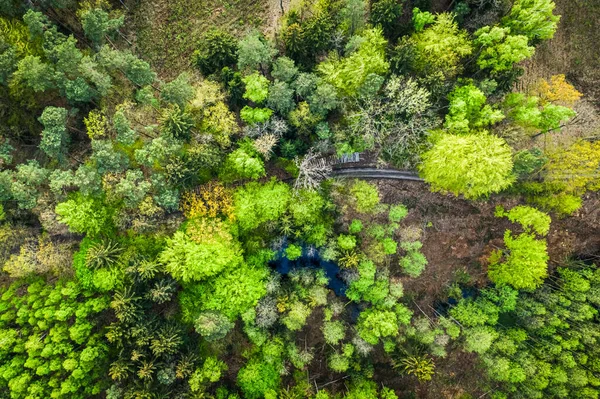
<point>167,31</point>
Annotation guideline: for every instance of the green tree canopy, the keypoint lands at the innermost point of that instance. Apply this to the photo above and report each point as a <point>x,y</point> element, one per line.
<point>474,165</point>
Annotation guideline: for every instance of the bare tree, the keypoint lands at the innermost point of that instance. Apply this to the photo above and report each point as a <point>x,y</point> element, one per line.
<point>312,170</point>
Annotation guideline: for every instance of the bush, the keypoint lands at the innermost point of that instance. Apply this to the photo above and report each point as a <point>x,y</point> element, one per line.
<point>213,326</point>
<point>216,50</point>
<point>365,196</point>
<point>257,87</point>
<point>414,262</point>
<point>255,115</point>
<point>243,163</point>
<point>258,377</point>
<point>293,252</point>
<point>474,165</point>
<point>333,332</point>
<point>355,227</point>
<point>346,242</point>
<point>85,215</point>
<point>397,213</point>
<point>523,264</point>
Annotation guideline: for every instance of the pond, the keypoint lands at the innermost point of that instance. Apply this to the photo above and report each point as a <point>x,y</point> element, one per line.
<point>311,259</point>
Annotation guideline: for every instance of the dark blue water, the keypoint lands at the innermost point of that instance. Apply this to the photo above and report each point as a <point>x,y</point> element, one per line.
<point>443,307</point>
<point>283,266</point>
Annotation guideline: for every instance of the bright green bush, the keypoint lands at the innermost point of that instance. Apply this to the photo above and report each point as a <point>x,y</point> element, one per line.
<point>85,215</point>
<point>474,165</point>
<point>258,377</point>
<point>257,87</point>
<point>293,252</point>
<point>189,259</point>
<point>252,115</point>
<point>528,217</point>
<point>333,332</point>
<point>350,73</point>
<point>523,264</point>
<point>256,203</point>
<point>243,163</point>
<point>365,196</point>
<point>346,242</point>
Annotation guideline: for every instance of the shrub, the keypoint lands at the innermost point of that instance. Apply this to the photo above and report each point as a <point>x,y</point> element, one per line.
<point>85,215</point>
<point>213,326</point>
<point>255,115</point>
<point>355,227</point>
<point>474,165</point>
<point>257,87</point>
<point>523,264</point>
<point>528,217</point>
<point>293,252</point>
<point>333,332</point>
<point>205,255</point>
<point>338,362</point>
<point>346,242</point>
<point>414,262</point>
<point>216,50</point>
<point>243,163</point>
<point>258,377</point>
<point>397,213</point>
<point>365,196</point>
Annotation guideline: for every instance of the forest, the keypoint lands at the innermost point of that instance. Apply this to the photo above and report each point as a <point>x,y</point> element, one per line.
<point>183,214</point>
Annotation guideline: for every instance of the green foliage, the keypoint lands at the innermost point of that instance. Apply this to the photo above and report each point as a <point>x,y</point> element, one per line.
<point>213,326</point>
<point>97,24</point>
<point>474,165</point>
<point>346,242</point>
<point>387,13</point>
<point>333,332</point>
<point>348,74</point>
<point>85,215</point>
<point>178,91</point>
<point>422,18</point>
<point>256,203</point>
<point>257,87</point>
<point>293,252</point>
<point>230,293</point>
<point>523,264</point>
<point>414,262</point>
<point>216,50</point>
<point>438,48</point>
<point>254,52</point>
<point>52,346</point>
<point>500,49</point>
<point>374,324</point>
<point>34,74</point>
<point>421,367</point>
<point>196,259</point>
<point>365,196</point>
<point>210,372</point>
<point>54,135</point>
<point>526,111</point>
<point>281,97</point>
<point>176,122</point>
<point>284,70</point>
<point>258,377</point>
<point>252,115</point>
<point>355,227</point>
<point>243,163</point>
<point>532,18</point>
<point>397,213</point>
<point>468,110</point>
<point>528,217</point>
